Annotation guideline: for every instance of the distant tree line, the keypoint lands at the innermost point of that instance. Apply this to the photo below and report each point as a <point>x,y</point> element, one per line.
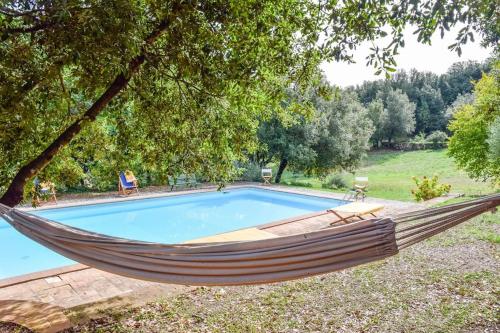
<point>413,102</point>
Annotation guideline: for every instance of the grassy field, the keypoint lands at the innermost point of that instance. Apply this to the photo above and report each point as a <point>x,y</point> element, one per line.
<point>390,174</point>
<point>448,283</point>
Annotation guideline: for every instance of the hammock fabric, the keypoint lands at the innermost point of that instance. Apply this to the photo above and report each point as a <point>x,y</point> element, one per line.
<point>248,262</point>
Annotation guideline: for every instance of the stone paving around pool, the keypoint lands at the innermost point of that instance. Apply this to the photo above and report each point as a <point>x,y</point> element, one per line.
<point>51,296</point>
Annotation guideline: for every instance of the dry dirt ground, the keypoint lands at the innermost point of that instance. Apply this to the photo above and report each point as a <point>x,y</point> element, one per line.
<point>446,284</point>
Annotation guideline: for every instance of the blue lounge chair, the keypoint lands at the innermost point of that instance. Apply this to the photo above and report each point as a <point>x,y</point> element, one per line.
<point>127,186</point>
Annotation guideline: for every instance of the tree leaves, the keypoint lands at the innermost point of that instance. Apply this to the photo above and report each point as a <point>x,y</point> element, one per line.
<point>470,143</point>
<point>335,138</point>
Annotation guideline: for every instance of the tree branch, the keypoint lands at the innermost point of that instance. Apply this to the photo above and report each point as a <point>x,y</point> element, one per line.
<point>14,193</point>
<point>16,13</point>
<point>29,29</point>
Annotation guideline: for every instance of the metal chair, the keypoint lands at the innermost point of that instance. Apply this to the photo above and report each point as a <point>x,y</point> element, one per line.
<point>358,190</point>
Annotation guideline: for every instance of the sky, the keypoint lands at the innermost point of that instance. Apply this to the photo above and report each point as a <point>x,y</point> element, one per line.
<point>434,58</point>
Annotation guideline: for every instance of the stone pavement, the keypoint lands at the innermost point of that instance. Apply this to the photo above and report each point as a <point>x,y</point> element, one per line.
<point>41,304</point>
<point>37,316</point>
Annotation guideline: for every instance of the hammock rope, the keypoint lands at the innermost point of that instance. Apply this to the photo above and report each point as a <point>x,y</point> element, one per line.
<point>433,221</point>
<point>248,262</point>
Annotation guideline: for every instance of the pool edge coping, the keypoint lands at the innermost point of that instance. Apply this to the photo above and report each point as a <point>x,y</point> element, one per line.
<point>19,279</point>
<point>273,187</point>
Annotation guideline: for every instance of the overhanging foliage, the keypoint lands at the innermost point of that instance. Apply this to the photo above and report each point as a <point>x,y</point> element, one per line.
<point>186,81</point>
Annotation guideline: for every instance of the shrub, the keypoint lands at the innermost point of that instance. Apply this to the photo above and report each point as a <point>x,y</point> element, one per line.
<point>299,183</point>
<point>251,172</point>
<point>437,139</point>
<point>428,188</point>
<point>418,142</point>
<point>335,181</point>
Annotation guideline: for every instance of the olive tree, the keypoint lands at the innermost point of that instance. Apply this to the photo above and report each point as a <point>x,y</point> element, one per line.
<point>334,137</point>
<point>399,116</point>
<point>392,114</point>
<point>377,117</point>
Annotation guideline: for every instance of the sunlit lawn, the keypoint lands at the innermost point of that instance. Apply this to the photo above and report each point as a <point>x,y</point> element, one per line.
<point>390,174</point>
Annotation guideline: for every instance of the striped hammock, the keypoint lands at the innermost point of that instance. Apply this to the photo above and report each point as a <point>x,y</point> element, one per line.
<point>248,262</point>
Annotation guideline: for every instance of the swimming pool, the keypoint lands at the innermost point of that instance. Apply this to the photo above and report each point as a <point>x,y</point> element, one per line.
<point>170,219</point>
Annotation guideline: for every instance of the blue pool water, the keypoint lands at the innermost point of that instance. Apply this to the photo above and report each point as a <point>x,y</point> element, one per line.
<point>165,220</point>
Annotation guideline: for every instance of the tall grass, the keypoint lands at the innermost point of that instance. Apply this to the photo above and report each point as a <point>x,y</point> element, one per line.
<point>390,174</point>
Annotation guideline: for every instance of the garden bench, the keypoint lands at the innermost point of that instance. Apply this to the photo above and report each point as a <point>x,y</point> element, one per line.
<point>183,181</point>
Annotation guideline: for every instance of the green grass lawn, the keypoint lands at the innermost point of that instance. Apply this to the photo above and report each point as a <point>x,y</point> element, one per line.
<point>390,174</point>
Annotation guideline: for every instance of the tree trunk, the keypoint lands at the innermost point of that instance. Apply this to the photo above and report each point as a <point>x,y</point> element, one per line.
<point>281,168</point>
<point>14,193</point>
